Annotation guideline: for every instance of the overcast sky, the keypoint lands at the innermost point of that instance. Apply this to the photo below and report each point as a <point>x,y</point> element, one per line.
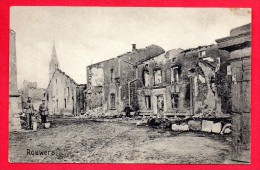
<point>88,35</point>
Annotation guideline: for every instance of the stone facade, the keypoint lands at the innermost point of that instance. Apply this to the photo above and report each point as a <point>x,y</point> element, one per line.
<point>111,84</point>
<point>239,46</point>
<point>14,97</point>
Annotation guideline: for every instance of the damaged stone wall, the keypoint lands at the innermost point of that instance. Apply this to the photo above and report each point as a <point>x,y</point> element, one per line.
<point>210,83</point>
<point>101,80</point>
<point>95,82</point>
<point>197,88</point>
<point>81,98</point>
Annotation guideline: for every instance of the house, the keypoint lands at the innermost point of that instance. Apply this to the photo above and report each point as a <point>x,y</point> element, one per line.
<point>111,84</point>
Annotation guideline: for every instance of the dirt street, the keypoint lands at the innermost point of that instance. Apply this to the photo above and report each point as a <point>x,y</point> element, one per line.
<point>115,142</point>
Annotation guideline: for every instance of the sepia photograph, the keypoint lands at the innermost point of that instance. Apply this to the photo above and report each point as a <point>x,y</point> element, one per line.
<point>129,85</point>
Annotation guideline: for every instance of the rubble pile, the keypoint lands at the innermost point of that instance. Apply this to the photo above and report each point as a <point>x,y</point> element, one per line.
<point>209,124</point>
<point>98,112</point>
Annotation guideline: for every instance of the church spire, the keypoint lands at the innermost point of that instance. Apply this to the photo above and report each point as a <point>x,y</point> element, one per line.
<point>53,50</point>
<point>54,63</point>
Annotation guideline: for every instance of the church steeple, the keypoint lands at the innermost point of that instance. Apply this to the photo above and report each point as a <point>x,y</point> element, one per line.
<point>54,63</point>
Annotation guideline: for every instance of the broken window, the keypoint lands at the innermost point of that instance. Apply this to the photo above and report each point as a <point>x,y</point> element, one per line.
<point>112,100</point>
<point>202,53</point>
<point>229,70</point>
<point>148,102</point>
<point>146,78</point>
<point>175,101</point>
<point>65,103</point>
<point>68,91</point>
<point>174,75</point>
<point>112,75</point>
<point>157,77</point>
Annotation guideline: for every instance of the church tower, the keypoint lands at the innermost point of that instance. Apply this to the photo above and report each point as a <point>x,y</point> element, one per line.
<point>54,63</point>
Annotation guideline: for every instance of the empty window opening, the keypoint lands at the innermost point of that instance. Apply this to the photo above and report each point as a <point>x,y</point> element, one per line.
<point>174,75</point>
<point>65,103</point>
<point>157,77</point>
<point>175,101</point>
<point>146,78</point>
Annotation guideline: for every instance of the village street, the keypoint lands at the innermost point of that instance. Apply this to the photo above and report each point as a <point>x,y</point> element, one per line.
<point>82,140</point>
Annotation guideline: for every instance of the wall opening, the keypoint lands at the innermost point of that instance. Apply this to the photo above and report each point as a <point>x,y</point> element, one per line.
<point>112,101</point>
<point>174,75</point>
<point>148,102</point>
<point>175,100</point>
<point>146,75</point>
<point>157,77</point>
<point>65,103</point>
<point>112,75</point>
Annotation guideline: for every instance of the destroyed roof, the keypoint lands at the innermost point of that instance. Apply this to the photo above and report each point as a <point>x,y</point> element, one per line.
<point>100,62</point>
<point>140,55</point>
<point>58,70</point>
<point>197,48</point>
<point>173,52</point>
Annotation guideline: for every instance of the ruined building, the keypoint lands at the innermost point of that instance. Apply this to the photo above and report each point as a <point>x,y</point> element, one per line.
<point>183,82</point>
<point>64,95</point>
<point>238,44</point>
<point>154,82</point>
<point>14,97</point>
<point>111,84</point>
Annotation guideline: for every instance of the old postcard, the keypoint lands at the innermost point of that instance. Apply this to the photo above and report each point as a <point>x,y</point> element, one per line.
<point>129,85</point>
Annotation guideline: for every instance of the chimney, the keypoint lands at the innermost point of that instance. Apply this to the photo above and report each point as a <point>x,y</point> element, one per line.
<point>133,47</point>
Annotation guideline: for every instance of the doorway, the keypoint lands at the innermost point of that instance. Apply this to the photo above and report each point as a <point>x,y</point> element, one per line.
<point>160,105</point>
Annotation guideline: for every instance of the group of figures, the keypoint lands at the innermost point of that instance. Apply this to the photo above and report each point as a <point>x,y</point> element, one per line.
<point>32,115</point>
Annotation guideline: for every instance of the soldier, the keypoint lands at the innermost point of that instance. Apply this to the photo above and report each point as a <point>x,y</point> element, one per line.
<point>43,112</point>
<point>29,110</point>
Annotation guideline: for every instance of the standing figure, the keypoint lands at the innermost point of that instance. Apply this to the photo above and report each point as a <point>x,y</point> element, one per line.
<point>29,110</point>
<point>43,112</point>
<point>127,111</point>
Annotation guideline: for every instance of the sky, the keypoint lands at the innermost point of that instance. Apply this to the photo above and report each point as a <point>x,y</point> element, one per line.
<point>86,35</point>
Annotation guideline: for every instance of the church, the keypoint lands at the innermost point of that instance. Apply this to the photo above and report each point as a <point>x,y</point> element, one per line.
<point>64,96</point>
